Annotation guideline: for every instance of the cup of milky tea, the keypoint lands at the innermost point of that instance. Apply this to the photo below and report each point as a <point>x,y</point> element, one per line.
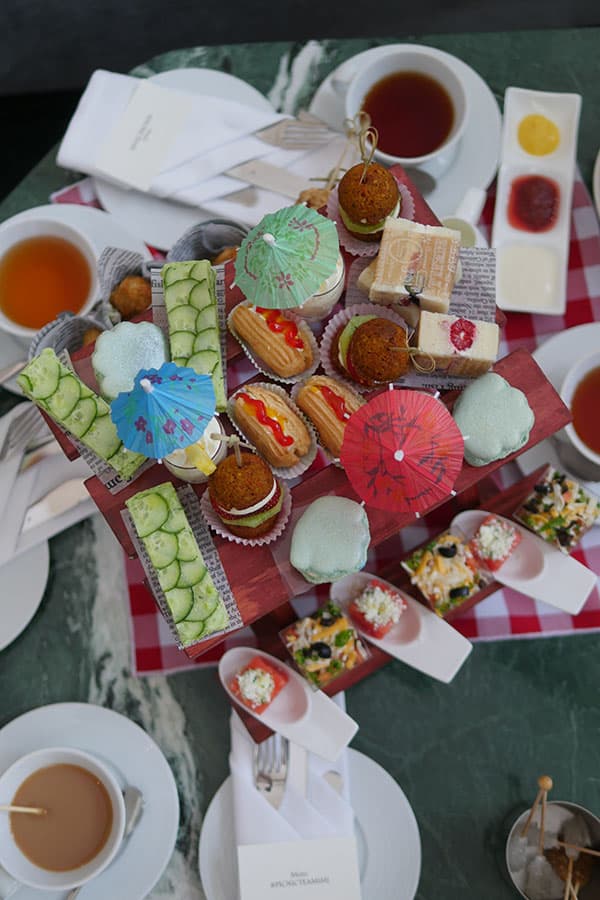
<point>81,829</point>
<point>46,267</point>
<point>416,99</point>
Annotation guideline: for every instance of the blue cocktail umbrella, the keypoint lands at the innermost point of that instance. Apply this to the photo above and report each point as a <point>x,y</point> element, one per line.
<point>168,408</point>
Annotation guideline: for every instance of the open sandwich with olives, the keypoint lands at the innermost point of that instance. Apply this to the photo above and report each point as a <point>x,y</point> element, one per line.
<point>324,645</point>
<point>445,571</point>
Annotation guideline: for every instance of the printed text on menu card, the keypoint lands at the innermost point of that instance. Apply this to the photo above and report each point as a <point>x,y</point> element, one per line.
<point>323,869</point>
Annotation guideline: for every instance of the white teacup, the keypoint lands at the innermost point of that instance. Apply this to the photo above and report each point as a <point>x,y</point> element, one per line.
<point>426,61</point>
<point>15,863</point>
<point>12,233</point>
<point>572,379</point>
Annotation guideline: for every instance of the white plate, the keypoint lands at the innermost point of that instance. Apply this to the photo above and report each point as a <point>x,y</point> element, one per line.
<point>101,230</point>
<point>596,184</point>
<point>136,760</point>
<point>386,830</point>
<point>421,639</point>
<point>162,222</point>
<point>534,290</point>
<point>525,563</point>
<point>23,584</point>
<point>561,581</point>
<point>477,159</point>
<point>555,357</point>
<point>290,706</point>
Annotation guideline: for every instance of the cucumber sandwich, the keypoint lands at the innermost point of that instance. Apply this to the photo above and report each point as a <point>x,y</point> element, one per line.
<point>161,524</point>
<point>191,302</point>
<point>77,409</point>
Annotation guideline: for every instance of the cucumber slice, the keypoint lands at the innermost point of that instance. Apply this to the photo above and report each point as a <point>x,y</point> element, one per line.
<point>149,512</point>
<point>43,373</point>
<point>103,439</point>
<point>200,296</point>
<point>204,362</point>
<point>202,270</point>
<point>180,602</point>
<point>190,631</point>
<point>62,403</point>
<point>187,548</point>
<point>178,294</point>
<point>25,384</point>
<point>206,598</point>
<point>176,271</point>
<point>182,343</point>
<point>180,361</point>
<point>80,420</point>
<point>125,462</point>
<point>169,576</point>
<point>207,318</point>
<point>168,493</point>
<point>217,621</point>
<point>175,522</point>
<point>182,319</point>
<point>206,340</point>
<point>190,573</point>
<point>162,548</point>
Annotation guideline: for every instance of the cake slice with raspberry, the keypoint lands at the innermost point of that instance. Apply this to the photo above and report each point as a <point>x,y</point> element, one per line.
<point>458,346</point>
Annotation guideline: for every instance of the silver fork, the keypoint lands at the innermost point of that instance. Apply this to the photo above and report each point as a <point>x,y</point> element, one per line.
<point>302,133</point>
<point>27,429</point>
<point>271,768</point>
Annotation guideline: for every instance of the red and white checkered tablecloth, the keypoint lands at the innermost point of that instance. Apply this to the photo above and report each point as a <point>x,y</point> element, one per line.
<point>505,614</point>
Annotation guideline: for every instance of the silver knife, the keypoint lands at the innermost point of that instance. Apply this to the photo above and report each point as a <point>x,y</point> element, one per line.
<point>56,502</point>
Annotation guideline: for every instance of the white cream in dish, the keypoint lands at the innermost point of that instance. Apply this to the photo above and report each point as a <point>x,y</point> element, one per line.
<point>178,464</point>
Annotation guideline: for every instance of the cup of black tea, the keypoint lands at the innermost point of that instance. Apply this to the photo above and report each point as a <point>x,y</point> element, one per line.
<point>80,829</point>
<point>418,104</point>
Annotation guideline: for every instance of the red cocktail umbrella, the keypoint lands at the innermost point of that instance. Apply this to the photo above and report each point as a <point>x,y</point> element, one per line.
<point>402,451</point>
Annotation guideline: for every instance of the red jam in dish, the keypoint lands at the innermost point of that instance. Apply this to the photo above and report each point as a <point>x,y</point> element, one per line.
<point>337,403</point>
<point>533,203</point>
<point>260,411</point>
<point>279,324</point>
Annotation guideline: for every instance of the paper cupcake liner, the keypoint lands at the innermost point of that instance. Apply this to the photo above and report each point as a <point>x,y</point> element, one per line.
<point>216,525</point>
<point>353,244</point>
<point>207,239</point>
<point>115,264</point>
<point>259,364</point>
<point>333,460</point>
<point>307,460</point>
<point>63,333</point>
<point>340,319</point>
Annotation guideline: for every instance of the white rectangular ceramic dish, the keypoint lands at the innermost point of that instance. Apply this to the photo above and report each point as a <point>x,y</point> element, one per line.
<point>533,200</point>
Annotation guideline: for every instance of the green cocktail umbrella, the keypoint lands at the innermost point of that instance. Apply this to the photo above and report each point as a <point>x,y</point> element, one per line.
<point>286,257</point>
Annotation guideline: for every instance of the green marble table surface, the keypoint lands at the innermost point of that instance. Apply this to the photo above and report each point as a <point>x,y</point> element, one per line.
<point>467,755</point>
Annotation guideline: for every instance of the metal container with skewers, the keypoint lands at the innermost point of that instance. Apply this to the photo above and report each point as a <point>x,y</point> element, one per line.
<point>543,863</point>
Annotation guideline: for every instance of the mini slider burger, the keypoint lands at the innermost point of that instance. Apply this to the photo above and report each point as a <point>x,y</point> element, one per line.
<point>370,350</point>
<point>245,495</point>
<point>367,196</point>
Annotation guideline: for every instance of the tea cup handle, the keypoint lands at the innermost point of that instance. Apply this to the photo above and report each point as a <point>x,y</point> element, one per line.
<point>8,884</point>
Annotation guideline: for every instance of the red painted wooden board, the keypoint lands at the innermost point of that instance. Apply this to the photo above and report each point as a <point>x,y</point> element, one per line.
<point>258,583</point>
<point>267,629</point>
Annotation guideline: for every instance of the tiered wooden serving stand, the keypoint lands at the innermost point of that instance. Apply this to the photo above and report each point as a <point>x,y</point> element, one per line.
<point>261,591</point>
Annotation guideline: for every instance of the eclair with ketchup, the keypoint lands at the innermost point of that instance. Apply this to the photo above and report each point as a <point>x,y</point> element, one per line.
<point>271,424</point>
<point>279,341</point>
<point>329,405</point>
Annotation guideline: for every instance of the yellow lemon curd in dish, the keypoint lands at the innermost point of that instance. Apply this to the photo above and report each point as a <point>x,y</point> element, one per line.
<point>538,135</point>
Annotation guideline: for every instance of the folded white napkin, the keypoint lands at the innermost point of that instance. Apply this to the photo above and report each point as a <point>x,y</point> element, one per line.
<point>214,135</point>
<point>217,135</point>
<point>321,813</point>
<point>19,491</point>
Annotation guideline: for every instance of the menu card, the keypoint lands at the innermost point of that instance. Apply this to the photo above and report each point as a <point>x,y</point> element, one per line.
<point>323,869</point>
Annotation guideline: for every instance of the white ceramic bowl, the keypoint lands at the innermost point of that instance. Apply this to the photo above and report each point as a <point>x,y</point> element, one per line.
<point>15,862</point>
<point>12,233</point>
<point>573,377</point>
<point>426,61</point>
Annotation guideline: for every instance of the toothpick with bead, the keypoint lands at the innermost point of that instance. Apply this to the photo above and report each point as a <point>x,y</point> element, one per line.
<point>544,785</point>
